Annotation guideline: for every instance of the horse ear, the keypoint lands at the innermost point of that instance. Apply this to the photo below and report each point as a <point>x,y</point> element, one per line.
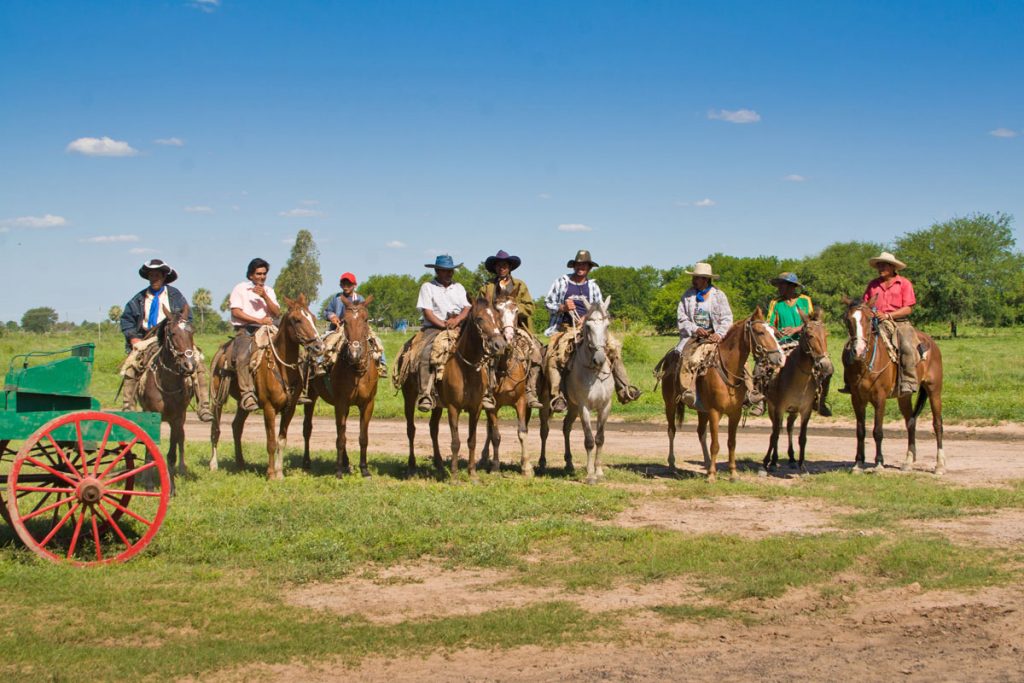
<point>303,301</point>
<point>586,305</point>
<point>167,311</point>
<point>367,300</point>
<point>816,314</point>
<point>345,300</point>
<point>759,314</point>
<point>290,303</point>
<point>184,312</point>
<point>803,316</point>
<point>607,304</point>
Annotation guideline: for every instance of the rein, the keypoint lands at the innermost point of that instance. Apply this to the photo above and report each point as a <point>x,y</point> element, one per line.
<point>756,350</point>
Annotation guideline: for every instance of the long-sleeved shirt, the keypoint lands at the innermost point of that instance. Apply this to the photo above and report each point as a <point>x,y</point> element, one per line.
<point>337,307</point>
<point>134,317</point>
<point>524,302</point>
<point>557,295</point>
<point>713,314</point>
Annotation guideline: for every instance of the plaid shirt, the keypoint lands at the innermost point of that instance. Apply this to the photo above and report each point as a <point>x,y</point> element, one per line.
<point>556,297</point>
<point>716,303</point>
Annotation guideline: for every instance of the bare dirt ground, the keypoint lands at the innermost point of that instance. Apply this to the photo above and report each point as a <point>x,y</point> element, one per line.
<point>855,635</point>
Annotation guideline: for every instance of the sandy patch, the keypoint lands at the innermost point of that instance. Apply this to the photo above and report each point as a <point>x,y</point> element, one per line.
<point>1001,528</point>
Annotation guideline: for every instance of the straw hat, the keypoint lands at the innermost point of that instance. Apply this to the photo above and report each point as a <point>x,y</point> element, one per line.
<point>702,270</point>
<point>582,256</point>
<point>886,257</point>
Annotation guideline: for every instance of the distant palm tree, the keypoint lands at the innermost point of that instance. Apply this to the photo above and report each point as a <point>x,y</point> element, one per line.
<point>201,301</point>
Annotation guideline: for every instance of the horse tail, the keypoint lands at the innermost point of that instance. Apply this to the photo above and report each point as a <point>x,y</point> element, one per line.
<point>922,399</point>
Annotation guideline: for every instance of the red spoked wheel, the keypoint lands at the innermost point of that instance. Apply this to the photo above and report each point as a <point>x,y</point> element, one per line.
<point>73,490</point>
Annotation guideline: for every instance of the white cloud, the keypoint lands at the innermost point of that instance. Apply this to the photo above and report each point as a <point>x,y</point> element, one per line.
<point>170,142</point>
<point>704,203</point>
<point>737,116</point>
<point>1004,133</point>
<point>395,244</point>
<point>795,178</point>
<point>141,250</point>
<point>574,227</point>
<point>198,209</point>
<point>544,195</point>
<point>101,147</point>
<point>109,239</point>
<point>44,221</point>
<point>301,213</point>
<point>208,6</point>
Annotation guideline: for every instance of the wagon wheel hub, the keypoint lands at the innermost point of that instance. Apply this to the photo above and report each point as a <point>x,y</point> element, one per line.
<point>89,491</point>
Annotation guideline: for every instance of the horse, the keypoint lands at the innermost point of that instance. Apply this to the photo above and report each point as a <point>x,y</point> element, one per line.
<point>461,388</point>
<point>589,389</point>
<point>512,369</point>
<point>352,381</point>
<point>794,389</point>
<point>872,376</point>
<point>168,386</point>
<point>277,380</point>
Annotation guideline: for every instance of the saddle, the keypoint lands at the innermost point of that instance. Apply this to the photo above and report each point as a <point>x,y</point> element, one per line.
<point>261,339</point>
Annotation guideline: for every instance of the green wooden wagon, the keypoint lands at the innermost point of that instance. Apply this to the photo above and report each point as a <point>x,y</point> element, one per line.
<point>78,484</point>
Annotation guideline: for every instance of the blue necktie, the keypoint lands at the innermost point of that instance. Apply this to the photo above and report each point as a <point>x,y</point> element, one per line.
<point>154,310</point>
<point>702,292</point>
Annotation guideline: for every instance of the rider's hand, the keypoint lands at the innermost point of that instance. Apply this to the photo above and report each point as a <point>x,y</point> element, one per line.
<point>451,323</point>
<point>334,319</point>
<point>714,337</point>
<point>267,321</point>
<point>563,308</point>
<point>700,333</point>
<point>260,290</point>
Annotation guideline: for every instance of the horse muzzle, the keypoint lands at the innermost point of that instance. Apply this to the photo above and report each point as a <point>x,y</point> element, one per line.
<point>777,358</point>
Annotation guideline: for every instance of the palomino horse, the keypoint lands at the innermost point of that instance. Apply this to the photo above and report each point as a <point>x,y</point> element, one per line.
<point>794,389</point>
<point>512,369</point>
<point>462,387</point>
<point>871,376</point>
<point>352,382</point>
<point>589,389</point>
<point>167,387</point>
<point>277,379</point>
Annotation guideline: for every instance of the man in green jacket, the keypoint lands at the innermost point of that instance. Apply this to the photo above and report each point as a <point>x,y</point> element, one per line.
<point>502,264</point>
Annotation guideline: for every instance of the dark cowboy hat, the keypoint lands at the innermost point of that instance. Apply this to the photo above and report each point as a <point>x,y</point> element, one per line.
<point>502,255</point>
<point>582,256</point>
<point>157,264</point>
<point>791,278</point>
<point>443,262</point>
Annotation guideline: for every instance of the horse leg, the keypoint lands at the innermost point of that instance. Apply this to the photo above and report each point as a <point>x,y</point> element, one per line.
<point>734,422</point>
<point>545,427</point>
<point>275,468</point>
<point>410,427</point>
<point>435,429</point>
<point>910,420</point>
<point>453,427</point>
<point>804,419</point>
<point>523,412</point>
<point>474,420</point>
<point>860,412</point>
<point>588,443</point>
<point>493,440</point>
<point>307,431</point>
<point>790,421</point>
<point>602,419</point>
<point>340,445</point>
<point>570,416</point>
<point>670,419</point>
<point>702,436</point>
<point>365,414</point>
<point>935,402</point>
<point>218,408</point>
<point>769,462</point>
<point>713,418</point>
<point>877,431</point>
<point>237,425</point>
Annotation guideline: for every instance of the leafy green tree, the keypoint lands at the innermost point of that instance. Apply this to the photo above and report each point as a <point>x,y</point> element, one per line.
<point>841,269</point>
<point>472,280</point>
<point>301,274</point>
<point>41,319</point>
<point>202,304</point>
<point>114,314</point>
<point>745,280</point>
<point>964,268</point>
<point>225,305</point>
<point>12,326</point>
<point>631,289</point>
<point>394,298</point>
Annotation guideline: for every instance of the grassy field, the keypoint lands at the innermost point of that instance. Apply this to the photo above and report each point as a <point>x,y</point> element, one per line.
<point>210,592</point>
<point>983,372</point>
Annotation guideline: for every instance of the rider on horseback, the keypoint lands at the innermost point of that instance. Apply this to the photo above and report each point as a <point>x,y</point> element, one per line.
<point>444,306</point>
<point>334,314</point>
<point>253,305</point>
<point>565,301</point>
<point>502,264</point>
<point>143,313</point>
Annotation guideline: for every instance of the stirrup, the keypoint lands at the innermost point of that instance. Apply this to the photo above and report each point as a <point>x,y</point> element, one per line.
<point>628,393</point>
<point>204,413</point>
<point>533,402</point>
<point>757,408</point>
<point>558,404</point>
<point>487,403</point>
<point>248,403</point>
<point>425,404</point>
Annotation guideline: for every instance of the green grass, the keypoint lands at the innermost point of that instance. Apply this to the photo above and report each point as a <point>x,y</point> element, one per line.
<point>983,370</point>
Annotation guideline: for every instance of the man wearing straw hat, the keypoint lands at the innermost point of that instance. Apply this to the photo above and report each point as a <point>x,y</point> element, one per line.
<point>894,301</point>
<point>703,317</point>
<point>786,314</point>
<point>565,302</point>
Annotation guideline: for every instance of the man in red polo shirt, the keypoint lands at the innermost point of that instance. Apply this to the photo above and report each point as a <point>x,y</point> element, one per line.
<point>894,301</point>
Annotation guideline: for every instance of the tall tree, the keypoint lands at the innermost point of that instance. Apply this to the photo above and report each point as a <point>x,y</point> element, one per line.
<point>472,280</point>
<point>225,305</point>
<point>301,274</point>
<point>394,298</point>
<point>114,314</point>
<point>40,319</point>
<point>202,303</point>
<point>631,289</point>
<point>841,269</point>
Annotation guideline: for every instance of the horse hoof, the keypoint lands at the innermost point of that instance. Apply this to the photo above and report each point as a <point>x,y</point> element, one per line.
<point>712,478</point>
<point>762,473</point>
<point>570,470</point>
<point>733,478</point>
<point>906,467</point>
<point>592,480</point>
<point>365,472</point>
<point>939,471</point>
<point>213,465</point>
<point>528,472</point>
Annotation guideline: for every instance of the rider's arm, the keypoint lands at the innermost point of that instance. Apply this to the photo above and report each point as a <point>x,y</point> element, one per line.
<point>555,297</point>
<point>271,300</point>
<point>429,316</point>
<point>683,320</point>
<point>131,326</point>
<point>723,320</point>
<point>238,314</point>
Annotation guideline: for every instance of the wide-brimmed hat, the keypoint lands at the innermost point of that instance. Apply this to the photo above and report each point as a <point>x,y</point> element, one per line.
<point>886,257</point>
<point>702,270</point>
<point>443,262</point>
<point>582,256</point>
<point>789,278</point>
<point>348,276</point>
<point>502,255</point>
<point>170,274</point>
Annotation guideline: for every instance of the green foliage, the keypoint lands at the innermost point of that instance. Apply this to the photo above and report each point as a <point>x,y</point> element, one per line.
<point>301,274</point>
<point>964,267</point>
<point>225,305</point>
<point>394,298</point>
<point>541,316</point>
<point>840,270</point>
<point>114,314</point>
<point>472,280</point>
<point>631,290</point>
<point>202,307</point>
<point>41,319</point>
<point>664,302</point>
<point>745,280</point>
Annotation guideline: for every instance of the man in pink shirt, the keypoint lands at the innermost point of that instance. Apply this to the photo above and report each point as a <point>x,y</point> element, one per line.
<point>894,300</point>
<point>253,304</point>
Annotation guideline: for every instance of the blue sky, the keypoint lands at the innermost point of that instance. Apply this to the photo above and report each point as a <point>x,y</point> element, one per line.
<point>648,132</point>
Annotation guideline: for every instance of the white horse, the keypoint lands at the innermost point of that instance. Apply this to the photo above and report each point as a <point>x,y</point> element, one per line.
<point>589,387</point>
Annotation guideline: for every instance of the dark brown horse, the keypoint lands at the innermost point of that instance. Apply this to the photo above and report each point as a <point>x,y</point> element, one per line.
<point>512,369</point>
<point>794,389</point>
<point>351,382</point>
<point>721,390</point>
<point>167,387</point>
<point>278,382</point>
<point>462,387</point>
<point>871,376</point>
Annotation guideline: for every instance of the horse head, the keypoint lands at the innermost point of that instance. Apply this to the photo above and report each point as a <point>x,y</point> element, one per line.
<point>814,340</point>
<point>175,335</point>
<point>858,318</point>
<point>763,343</point>
<point>357,328</point>
<point>507,306</point>
<point>484,318</point>
<point>300,325</point>
<point>595,330</point>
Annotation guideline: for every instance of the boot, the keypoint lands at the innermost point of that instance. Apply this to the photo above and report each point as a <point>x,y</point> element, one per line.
<point>425,401</point>
<point>247,400</point>
<point>487,402</point>
<point>128,391</point>
<point>202,392</point>
<point>531,388</point>
<point>823,408</point>
<point>623,389</point>
<point>558,404</point>
<point>754,399</point>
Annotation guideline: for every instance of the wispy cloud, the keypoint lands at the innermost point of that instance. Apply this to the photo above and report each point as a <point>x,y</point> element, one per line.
<point>101,147</point>
<point>574,227</point>
<point>704,203</point>
<point>396,244</point>
<point>109,239</point>
<point>794,178</point>
<point>45,221</point>
<point>544,195</point>
<point>170,142</point>
<point>301,213</point>
<point>141,250</point>
<point>207,6</point>
<point>734,116</point>
<point>1004,133</point>
<point>198,209</point>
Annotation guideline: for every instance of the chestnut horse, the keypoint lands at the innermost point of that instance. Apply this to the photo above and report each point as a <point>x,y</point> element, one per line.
<point>351,382</point>
<point>871,376</point>
<point>721,390</point>
<point>277,379</point>
<point>168,386</point>
<point>794,389</point>
<point>512,369</point>
<point>462,387</point>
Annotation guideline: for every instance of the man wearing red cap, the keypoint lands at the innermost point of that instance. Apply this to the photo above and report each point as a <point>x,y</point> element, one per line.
<point>334,314</point>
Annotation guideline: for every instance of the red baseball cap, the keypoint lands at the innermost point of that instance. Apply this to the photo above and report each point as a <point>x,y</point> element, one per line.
<point>350,277</point>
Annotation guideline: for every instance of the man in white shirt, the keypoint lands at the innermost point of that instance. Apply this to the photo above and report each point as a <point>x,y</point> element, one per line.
<point>444,305</point>
<point>253,304</point>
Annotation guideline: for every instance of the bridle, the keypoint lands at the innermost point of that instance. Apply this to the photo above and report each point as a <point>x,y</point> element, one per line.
<point>308,343</point>
<point>761,354</point>
<point>184,361</point>
<point>873,333</point>
<point>593,348</point>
